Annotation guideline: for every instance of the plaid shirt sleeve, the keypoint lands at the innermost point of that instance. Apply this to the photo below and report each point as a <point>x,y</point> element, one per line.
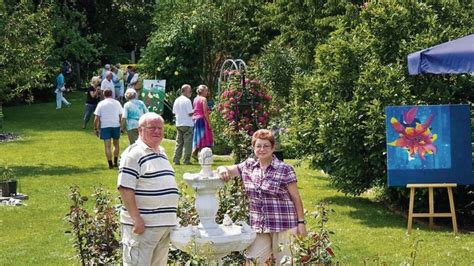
<point>243,165</point>
<point>289,175</point>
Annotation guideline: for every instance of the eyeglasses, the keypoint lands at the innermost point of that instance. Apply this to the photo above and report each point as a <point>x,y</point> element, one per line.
<point>265,147</point>
<point>154,128</point>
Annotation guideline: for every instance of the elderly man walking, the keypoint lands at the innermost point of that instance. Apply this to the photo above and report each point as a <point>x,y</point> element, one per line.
<point>108,116</point>
<point>149,193</point>
<point>107,83</point>
<point>183,109</point>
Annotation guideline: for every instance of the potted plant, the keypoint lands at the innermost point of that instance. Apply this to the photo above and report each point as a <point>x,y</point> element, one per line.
<point>8,183</point>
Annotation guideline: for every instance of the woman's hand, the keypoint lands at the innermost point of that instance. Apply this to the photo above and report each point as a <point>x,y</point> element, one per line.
<point>223,173</point>
<point>301,230</point>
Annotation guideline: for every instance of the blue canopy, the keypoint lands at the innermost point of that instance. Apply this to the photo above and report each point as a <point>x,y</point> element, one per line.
<point>453,57</point>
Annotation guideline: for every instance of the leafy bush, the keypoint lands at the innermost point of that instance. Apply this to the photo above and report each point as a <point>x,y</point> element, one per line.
<point>316,247</point>
<point>338,110</point>
<point>243,109</point>
<point>207,33</point>
<point>95,234</point>
<point>27,44</point>
<point>170,131</point>
<point>275,66</point>
<point>6,173</point>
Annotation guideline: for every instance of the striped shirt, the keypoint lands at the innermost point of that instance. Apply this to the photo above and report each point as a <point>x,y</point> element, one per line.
<point>270,205</point>
<point>151,176</point>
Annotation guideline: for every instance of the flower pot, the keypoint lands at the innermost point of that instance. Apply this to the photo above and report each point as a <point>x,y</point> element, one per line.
<point>8,187</point>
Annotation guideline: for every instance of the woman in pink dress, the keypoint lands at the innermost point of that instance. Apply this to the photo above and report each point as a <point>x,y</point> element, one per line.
<point>202,136</point>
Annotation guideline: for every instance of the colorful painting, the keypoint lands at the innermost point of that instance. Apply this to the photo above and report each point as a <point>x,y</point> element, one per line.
<point>153,95</point>
<point>429,144</point>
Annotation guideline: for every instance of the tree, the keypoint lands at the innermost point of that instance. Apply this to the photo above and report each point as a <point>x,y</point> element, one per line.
<point>26,48</point>
<point>338,109</point>
<point>192,48</point>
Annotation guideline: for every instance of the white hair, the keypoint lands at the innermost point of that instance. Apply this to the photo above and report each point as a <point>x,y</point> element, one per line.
<point>149,116</point>
<point>130,94</point>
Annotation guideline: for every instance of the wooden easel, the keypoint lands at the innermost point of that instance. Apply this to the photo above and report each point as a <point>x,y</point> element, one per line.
<point>432,214</point>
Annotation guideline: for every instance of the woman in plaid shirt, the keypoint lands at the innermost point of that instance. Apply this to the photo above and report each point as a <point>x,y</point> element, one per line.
<point>276,209</point>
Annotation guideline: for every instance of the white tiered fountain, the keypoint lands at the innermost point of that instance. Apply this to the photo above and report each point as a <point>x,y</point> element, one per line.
<point>210,239</point>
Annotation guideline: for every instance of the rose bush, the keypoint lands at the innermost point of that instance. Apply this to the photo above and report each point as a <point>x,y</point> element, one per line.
<point>244,107</point>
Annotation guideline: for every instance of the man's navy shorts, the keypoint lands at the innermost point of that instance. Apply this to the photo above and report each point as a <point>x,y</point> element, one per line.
<point>110,133</point>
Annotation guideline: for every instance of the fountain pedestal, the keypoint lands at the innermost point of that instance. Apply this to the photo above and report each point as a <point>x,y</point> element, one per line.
<point>210,239</point>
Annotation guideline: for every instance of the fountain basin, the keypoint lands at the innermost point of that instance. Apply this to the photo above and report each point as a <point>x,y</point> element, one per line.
<point>210,239</point>
<point>214,244</point>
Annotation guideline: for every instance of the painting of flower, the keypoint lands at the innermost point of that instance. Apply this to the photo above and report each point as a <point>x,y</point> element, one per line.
<point>414,137</point>
<point>428,144</point>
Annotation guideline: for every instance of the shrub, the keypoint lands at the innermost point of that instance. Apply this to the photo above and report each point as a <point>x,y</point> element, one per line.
<point>338,110</point>
<point>94,233</point>
<point>276,66</point>
<point>315,247</point>
<point>170,131</point>
<point>243,108</point>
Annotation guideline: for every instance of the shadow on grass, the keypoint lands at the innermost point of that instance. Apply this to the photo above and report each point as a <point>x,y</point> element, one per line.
<point>369,213</point>
<point>52,170</point>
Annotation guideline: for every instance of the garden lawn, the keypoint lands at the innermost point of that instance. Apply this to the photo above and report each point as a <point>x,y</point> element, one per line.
<point>55,153</point>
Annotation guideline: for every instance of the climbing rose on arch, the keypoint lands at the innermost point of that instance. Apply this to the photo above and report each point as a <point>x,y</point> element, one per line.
<point>244,109</point>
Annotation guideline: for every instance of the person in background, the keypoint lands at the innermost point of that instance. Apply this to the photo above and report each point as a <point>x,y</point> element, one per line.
<point>60,89</point>
<point>92,99</point>
<point>132,111</point>
<point>275,206</point>
<point>129,75</point>
<point>183,110</point>
<point>134,82</point>
<point>116,81</point>
<point>202,136</point>
<point>108,115</point>
<point>107,83</point>
<point>104,71</point>
<point>149,193</point>
<point>120,76</point>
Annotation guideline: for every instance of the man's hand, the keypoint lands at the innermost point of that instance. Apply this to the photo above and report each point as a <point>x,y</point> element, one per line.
<point>97,132</point>
<point>138,225</point>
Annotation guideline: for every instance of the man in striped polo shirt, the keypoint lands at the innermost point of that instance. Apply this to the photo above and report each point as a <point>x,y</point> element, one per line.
<point>149,196</point>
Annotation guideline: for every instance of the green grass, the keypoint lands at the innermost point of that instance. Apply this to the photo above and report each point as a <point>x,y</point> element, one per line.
<point>55,153</point>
